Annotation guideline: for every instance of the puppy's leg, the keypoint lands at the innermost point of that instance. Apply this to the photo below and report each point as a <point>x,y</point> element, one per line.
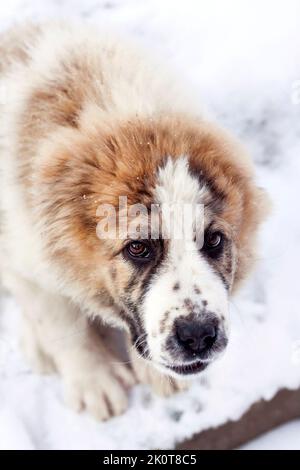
<point>161,384</point>
<point>94,378</point>
<point>39,361</point>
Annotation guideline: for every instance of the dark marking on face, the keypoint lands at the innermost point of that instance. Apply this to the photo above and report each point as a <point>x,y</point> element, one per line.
<point>163,322</point>
<point>151,270</point>
<point>224,280</point>
<point>176,286</point>
<point>134,321</point>
<point>223,263</point>
<point>126,319</point>
<point>136,290</point>
<point>146,278</point>
<point>216,198</point>
<point>197,290</point>
<point>134,293</point>
<point>131,285</point>
<point>188,304</point>
<point>204,303</point>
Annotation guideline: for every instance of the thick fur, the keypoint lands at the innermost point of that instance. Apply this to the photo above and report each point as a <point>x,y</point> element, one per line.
<point>85,119</point>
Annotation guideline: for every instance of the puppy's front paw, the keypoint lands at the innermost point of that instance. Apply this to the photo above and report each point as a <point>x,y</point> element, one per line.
<point>102,392</point>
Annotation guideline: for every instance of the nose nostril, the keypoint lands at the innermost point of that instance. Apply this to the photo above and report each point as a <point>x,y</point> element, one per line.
<point>209,339</point>
<point>192,343</point>
<point>209,334</point>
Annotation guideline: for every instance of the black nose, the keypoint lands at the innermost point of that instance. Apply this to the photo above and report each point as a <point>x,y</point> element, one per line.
<point>196,337</point>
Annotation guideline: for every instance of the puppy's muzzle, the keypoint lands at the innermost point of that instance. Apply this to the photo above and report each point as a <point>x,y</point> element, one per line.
<point>194,342</point>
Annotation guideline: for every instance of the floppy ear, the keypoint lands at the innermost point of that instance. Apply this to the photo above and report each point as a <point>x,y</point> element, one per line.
<point>257,207</point>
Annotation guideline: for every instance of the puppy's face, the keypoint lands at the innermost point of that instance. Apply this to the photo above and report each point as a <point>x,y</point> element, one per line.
<point>171,289</point>
<point>174,288</point>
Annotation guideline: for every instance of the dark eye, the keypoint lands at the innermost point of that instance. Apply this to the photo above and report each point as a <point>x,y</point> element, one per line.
<point>213,242</point>
<point>138,250</point>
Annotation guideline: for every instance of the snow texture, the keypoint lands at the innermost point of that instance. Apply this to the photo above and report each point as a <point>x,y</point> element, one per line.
<point>243,61</point>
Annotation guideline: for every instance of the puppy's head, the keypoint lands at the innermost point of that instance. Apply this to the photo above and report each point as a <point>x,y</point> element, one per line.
<point>171,289</point>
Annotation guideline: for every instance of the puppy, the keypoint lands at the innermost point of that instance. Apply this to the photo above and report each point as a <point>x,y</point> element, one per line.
<point>86,121</point>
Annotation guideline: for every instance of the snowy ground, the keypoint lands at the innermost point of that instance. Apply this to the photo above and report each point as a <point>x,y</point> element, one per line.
<point>243,61</point>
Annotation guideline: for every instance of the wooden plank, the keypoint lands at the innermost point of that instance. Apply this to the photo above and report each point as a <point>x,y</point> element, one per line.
<point>260,418</point>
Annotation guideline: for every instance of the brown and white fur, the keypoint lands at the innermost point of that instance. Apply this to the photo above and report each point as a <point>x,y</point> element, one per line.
<point>85,119</point>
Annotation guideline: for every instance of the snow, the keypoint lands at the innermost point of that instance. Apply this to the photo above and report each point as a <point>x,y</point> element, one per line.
<point>286,437</point>
<point>242,60</point>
